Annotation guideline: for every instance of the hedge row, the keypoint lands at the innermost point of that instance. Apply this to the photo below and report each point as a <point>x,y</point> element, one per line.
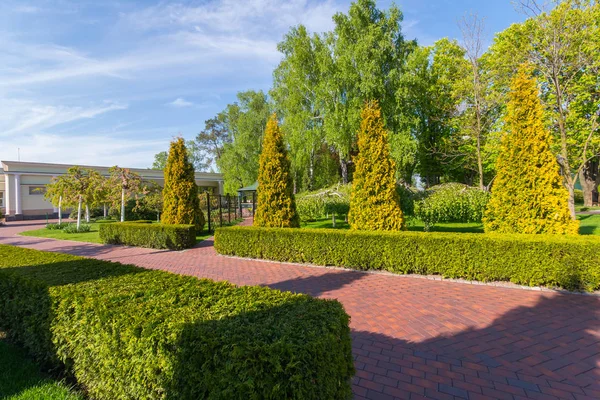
<point>143,234</point>
<point>555,261</point>
<point>128,333</point>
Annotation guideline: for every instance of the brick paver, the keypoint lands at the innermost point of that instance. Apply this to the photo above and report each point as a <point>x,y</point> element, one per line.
<point>414,338</point>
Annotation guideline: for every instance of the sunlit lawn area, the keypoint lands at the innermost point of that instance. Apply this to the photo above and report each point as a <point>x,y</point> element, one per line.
<point>93,236</point>
<point>590,225</point>
<point>21,379</point>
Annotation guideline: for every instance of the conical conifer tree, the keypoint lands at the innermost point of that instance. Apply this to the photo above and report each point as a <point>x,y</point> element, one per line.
<point>374,202</point>
<point>528,195</point>
<point>275,203</point>
<point>181,204</point>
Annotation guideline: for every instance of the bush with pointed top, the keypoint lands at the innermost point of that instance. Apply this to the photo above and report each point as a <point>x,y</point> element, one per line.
<point>528,195</point>
<point>374,202</point>
<point>275,203</point>
<point>180,193</point>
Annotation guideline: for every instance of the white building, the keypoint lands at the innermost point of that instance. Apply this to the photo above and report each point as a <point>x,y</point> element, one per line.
<point>23,184</point>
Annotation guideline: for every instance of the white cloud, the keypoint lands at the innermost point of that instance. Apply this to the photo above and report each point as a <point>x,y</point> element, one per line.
<point>20,116</point>
<point>180,102</point>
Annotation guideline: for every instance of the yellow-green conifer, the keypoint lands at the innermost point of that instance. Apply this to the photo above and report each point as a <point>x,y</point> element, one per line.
<point>275,203</point>
<point>528,195</point>
<point>180,193</point>
<point>374,202</point>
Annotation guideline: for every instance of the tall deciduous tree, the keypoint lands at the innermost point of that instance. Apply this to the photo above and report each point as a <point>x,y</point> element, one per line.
<point>181,204</point>
<point>275,203</point>
<point>196,154</point>
<point>528,195</point>
<point>374,202</point>
<point>245,121</point>
<point>428,104</point>
<point>563,45</point>
<point>124,184</point>
<point>367,51</point>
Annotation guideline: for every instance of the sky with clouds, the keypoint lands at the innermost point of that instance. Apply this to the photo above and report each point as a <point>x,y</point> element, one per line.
<point>113,81</point>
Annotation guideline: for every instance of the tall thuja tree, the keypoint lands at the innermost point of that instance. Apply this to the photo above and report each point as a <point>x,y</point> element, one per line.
<point>275,203</point>
<point>562,44</point>
<point>528,195</point>
<point>181,204</point>
<point>374,202</point>
<point>123,184</point>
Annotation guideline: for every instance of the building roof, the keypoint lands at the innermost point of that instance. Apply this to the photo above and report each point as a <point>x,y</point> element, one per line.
<point>251,188</point>
<point>22,167</point>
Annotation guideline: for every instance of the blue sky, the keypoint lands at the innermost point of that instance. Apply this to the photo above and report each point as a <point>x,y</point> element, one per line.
<point>111,82</point>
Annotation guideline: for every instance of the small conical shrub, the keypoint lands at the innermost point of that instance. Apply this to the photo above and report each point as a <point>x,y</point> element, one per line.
<point>528,195</point>
<point>275,203</point>
<point>181,204</point>
<point>374,202</point>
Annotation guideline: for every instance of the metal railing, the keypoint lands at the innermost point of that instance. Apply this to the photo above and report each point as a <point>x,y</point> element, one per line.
<point>224,210</point>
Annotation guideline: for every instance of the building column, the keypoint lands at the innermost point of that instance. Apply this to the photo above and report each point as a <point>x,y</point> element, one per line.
<point>54,209</point>
<point>220,187</point>
<point>18,210</point>
<point>7,193</point>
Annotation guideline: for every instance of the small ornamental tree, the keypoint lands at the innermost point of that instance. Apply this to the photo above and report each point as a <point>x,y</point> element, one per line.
<point>275,203</point>
<point>374,201</point>
<point>181,204</point>
<point>528,195</point>
<point>123,185</point>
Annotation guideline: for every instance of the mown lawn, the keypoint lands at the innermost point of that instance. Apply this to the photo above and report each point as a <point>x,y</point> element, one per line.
<point>21,378</point>
<point>93,236</point>
<point>590,225</point>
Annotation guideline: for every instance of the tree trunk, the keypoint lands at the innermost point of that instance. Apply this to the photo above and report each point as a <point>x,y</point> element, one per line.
<point>589,177</point>
<point>105,211</point>
<point>79,213</point>
<point>59,210</point>
<point>344,167</point>
<point>87,214</point>
<point>123,205</point>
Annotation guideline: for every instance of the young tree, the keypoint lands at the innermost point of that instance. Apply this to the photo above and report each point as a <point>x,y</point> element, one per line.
<point>181,204</point>
<point>73,189</point>
<point>123,185</point>
<point>528,195</point>
<point>374,202</point>
<point>275,203</point>
<point>151,199</point>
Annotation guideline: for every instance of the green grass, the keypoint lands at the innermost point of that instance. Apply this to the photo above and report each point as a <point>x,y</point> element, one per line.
<point>580,207</point>
<point>590,225</point>
<point>21,378</point>
<point>93,236</point>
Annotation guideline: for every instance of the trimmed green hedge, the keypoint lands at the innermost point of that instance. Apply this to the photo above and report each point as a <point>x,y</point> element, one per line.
<point>128,333</point>
<point>537,260</point>
<point>156,236</point>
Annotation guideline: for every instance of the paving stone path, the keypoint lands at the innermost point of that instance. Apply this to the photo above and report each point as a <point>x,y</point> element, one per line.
<point>413,338</point>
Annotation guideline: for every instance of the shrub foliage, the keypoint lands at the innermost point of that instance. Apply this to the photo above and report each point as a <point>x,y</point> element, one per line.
<point>128,333</point>
<point>550,260</point>
<point>275,203</point>
<point>146,234</point>
<point>180,193</point>
<point>451,202</point>
<point>317,204</point>
<point>528,195</point>
<point>374,202</point>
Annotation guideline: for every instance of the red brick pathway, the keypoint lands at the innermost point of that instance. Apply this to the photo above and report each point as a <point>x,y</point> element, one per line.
<point>415,338</point>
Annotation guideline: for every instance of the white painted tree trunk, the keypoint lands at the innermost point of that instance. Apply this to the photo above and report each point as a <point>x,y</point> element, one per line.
<point>87,214</point>
<point>79,213</point>
<point>105,211</point>
<point>59,210</point>
<point>123,205</point>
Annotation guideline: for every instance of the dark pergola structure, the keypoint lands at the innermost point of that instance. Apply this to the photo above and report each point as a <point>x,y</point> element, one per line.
<point>245,192</point>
